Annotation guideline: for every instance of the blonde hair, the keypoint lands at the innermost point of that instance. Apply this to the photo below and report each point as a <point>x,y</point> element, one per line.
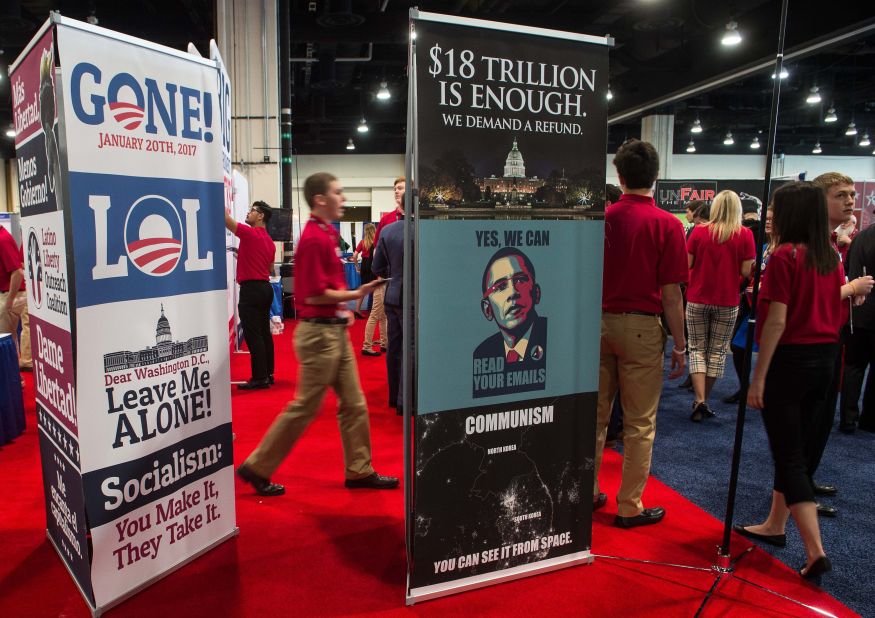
<point>370,233</point>
<point>725,216</point>
<point>828,180</point>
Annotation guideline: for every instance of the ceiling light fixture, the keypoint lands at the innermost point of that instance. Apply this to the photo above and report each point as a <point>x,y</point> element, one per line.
<point>691,147</point>
<point>831,115</point>
<point>865,141</point>
<point>813,96</point>
<point>697,126</point>
<point>784,74</point>
<point>363,126</point>
<point>816,149</point>
<point>10,132</point>
<point>383,93</point>
<point>609,95</point>
<point>852,129</point>
<point>731,36</point>
<point>728,140</point>
<point>350,145</point>
<point>755,144</point>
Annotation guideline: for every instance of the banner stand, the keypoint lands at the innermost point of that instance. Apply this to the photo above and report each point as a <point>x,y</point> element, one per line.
<point>489,500</point>
<point>98,611</point>
<point>120,186</point>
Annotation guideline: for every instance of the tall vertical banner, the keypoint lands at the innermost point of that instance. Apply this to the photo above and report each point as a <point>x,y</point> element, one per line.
<point>509,132</point>
<point>125,254</point>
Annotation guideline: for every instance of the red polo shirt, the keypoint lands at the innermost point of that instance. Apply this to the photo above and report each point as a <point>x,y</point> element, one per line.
<point>364,251</point>
<point>644,250</point>
<point>715,277</point>
<point>255,254</point>
<point>389,217</point>
<point>814,306</point>
<point>10,259</point>
<point>317,268</point>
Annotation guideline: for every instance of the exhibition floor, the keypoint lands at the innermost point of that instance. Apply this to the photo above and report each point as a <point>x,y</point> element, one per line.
<point>325,550</point>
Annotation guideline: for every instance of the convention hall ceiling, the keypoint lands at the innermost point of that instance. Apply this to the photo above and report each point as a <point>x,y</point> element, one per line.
<point>667,55</point>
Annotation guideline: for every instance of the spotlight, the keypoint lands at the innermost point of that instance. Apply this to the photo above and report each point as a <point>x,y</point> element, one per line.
<point>865,141</point>
<point>813,96</point>
<point>363,126</point>
<point>731,36</point>
<point>852,129</point>
<point>609,95</point>
<point>831,115</point>
<point>697,126</point>
<point>350,145</point>
<point>691,147</point>
<point>816,149</point>
<point>10,132</point>
<point>728,140</point>
<point>383,93</point>
<point>755,144</point>
<point>784,74</point>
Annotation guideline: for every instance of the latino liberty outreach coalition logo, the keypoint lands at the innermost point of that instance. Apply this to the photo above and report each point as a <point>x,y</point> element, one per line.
<point>153,235</point>
<point>34,269</point>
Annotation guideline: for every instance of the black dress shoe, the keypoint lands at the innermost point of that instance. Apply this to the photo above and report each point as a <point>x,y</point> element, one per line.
<point>825,490</point>
<point>701,411</point>
<point>383,349</point>
<point>778,540</point>
<point>600,501</point>
<point>367,352</point>
<point>825,510</point>
<point>818,567</point>
<point>263,486</point>
<point>733,398</point>
<point>644,518</point>
<point>254,384</point>
<point>374,481</point>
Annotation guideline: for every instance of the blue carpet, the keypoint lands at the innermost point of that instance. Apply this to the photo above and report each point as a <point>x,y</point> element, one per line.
<point>695,460</point>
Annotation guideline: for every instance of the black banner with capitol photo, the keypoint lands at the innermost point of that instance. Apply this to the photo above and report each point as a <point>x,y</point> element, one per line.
<point>509,129</point>
<point>509,126</point>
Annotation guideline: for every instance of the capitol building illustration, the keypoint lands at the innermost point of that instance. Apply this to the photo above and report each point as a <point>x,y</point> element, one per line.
<point>165,349</point>
<point>513,188</point>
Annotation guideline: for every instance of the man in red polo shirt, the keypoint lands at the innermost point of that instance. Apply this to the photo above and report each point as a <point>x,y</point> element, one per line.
<point>255,258</point>
<point>13,298</point>
<point>645,263</point>
<point>325,353</point>
<point>398,213</point>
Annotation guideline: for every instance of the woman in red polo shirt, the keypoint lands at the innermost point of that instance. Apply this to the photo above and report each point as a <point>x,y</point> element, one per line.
<point>799,316</point>
<point>720,253</point>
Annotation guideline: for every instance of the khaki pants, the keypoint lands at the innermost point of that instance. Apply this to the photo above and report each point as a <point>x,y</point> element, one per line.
<point>9,324</point>
<point>378,314</point>
<point>325,358</point>
<point>632,349</point>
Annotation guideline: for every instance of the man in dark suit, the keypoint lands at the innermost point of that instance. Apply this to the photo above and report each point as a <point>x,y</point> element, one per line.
<point>513,360</point>
<point>388,262</point>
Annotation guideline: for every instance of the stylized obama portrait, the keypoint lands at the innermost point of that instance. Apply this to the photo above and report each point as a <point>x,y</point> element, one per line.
<point>513,360</point>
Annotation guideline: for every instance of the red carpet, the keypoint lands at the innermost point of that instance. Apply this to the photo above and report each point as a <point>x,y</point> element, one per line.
<point>327,551</point>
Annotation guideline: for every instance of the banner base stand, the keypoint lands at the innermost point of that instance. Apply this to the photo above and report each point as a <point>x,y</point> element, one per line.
<point>98,611</point>
<point>435,591</point>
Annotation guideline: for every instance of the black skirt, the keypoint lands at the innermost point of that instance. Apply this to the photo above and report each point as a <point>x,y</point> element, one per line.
<point>366,272</point>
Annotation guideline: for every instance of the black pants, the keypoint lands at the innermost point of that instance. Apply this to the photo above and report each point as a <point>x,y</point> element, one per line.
<point>796,390</point>
<point>254,306</point>
<point>826,415</point>
<point>394,354</point>
<point>859,353</point>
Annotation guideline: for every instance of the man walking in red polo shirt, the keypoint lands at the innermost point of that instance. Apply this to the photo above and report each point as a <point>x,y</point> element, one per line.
<point>645,263</point>
<point>325,353</point>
